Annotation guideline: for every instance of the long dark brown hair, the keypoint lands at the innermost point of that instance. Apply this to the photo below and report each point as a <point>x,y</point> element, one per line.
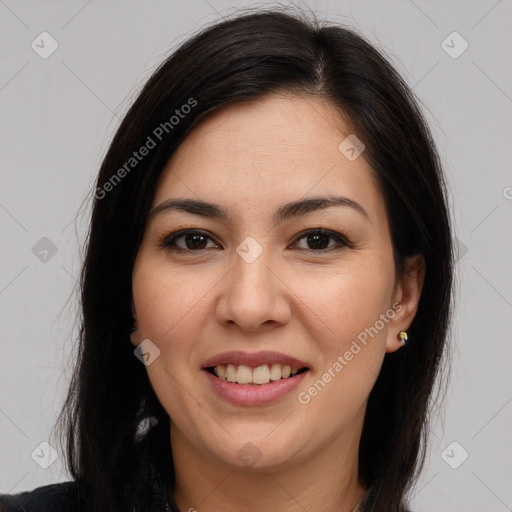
<point>115,431</point>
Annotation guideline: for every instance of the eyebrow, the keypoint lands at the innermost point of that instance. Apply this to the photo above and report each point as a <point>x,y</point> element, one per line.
<point>284,212</point>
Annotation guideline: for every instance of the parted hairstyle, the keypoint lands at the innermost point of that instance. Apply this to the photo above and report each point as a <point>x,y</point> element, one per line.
<point>113,428</point>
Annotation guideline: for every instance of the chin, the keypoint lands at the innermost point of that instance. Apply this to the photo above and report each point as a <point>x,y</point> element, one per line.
<point>256,452</point>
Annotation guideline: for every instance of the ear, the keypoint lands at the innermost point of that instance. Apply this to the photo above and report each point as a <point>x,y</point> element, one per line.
<point>407,293</point>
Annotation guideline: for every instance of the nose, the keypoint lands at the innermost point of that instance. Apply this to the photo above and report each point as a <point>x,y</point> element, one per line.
<point>254,295</point>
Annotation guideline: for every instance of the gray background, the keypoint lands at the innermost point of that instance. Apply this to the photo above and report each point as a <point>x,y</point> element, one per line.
<point>57,118</point>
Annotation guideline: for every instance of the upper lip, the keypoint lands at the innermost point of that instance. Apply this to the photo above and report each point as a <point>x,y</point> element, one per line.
<point>237,357</point>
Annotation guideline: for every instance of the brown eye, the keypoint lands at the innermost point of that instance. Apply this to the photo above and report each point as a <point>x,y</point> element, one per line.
<point>187,240</point>
<point>318,240</point>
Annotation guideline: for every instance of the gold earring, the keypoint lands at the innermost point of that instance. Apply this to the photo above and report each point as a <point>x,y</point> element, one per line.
<point>402,336</point>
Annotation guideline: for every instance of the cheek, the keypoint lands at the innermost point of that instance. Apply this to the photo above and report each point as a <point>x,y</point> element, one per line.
<point>344,313</point>
<point>347,301</point>
<point>167,301</point>
<point>360,303</point>
<point>170,313</point>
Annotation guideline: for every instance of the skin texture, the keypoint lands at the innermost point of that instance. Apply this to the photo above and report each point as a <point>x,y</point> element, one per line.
<point>294,298</point>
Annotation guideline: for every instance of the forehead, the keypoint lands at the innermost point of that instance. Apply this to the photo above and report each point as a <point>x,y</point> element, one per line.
<point>280,147</point>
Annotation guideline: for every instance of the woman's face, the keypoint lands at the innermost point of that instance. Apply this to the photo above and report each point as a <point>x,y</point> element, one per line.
<point>253,289</point>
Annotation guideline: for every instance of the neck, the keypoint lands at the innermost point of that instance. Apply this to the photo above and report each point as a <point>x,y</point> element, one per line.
<point>327,481</point>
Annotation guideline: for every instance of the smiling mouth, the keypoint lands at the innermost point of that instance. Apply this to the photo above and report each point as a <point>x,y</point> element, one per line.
<point>260,375</point>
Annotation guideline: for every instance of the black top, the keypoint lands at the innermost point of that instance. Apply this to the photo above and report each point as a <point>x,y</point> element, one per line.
<point>61,497</point>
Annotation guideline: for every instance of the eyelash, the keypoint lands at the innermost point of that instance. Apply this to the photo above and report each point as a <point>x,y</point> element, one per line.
<point>168,241</point>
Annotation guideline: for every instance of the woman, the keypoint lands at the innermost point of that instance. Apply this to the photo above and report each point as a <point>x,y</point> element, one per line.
<point>266,293</point>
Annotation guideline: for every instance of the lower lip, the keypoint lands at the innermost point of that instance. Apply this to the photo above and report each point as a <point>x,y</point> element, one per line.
<point>254,394</point>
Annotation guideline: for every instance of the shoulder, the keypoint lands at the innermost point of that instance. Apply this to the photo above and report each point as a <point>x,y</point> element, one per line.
<point>61,497</point>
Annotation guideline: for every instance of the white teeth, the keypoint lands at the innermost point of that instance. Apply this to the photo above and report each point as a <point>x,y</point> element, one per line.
<point>243,374</point>
<point>230,373</point>
<point>275,372</point>
<point>261,375</point>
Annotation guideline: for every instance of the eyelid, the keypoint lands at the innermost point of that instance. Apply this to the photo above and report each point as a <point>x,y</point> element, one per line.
<point>168,240</point>
<point>341,239</point>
